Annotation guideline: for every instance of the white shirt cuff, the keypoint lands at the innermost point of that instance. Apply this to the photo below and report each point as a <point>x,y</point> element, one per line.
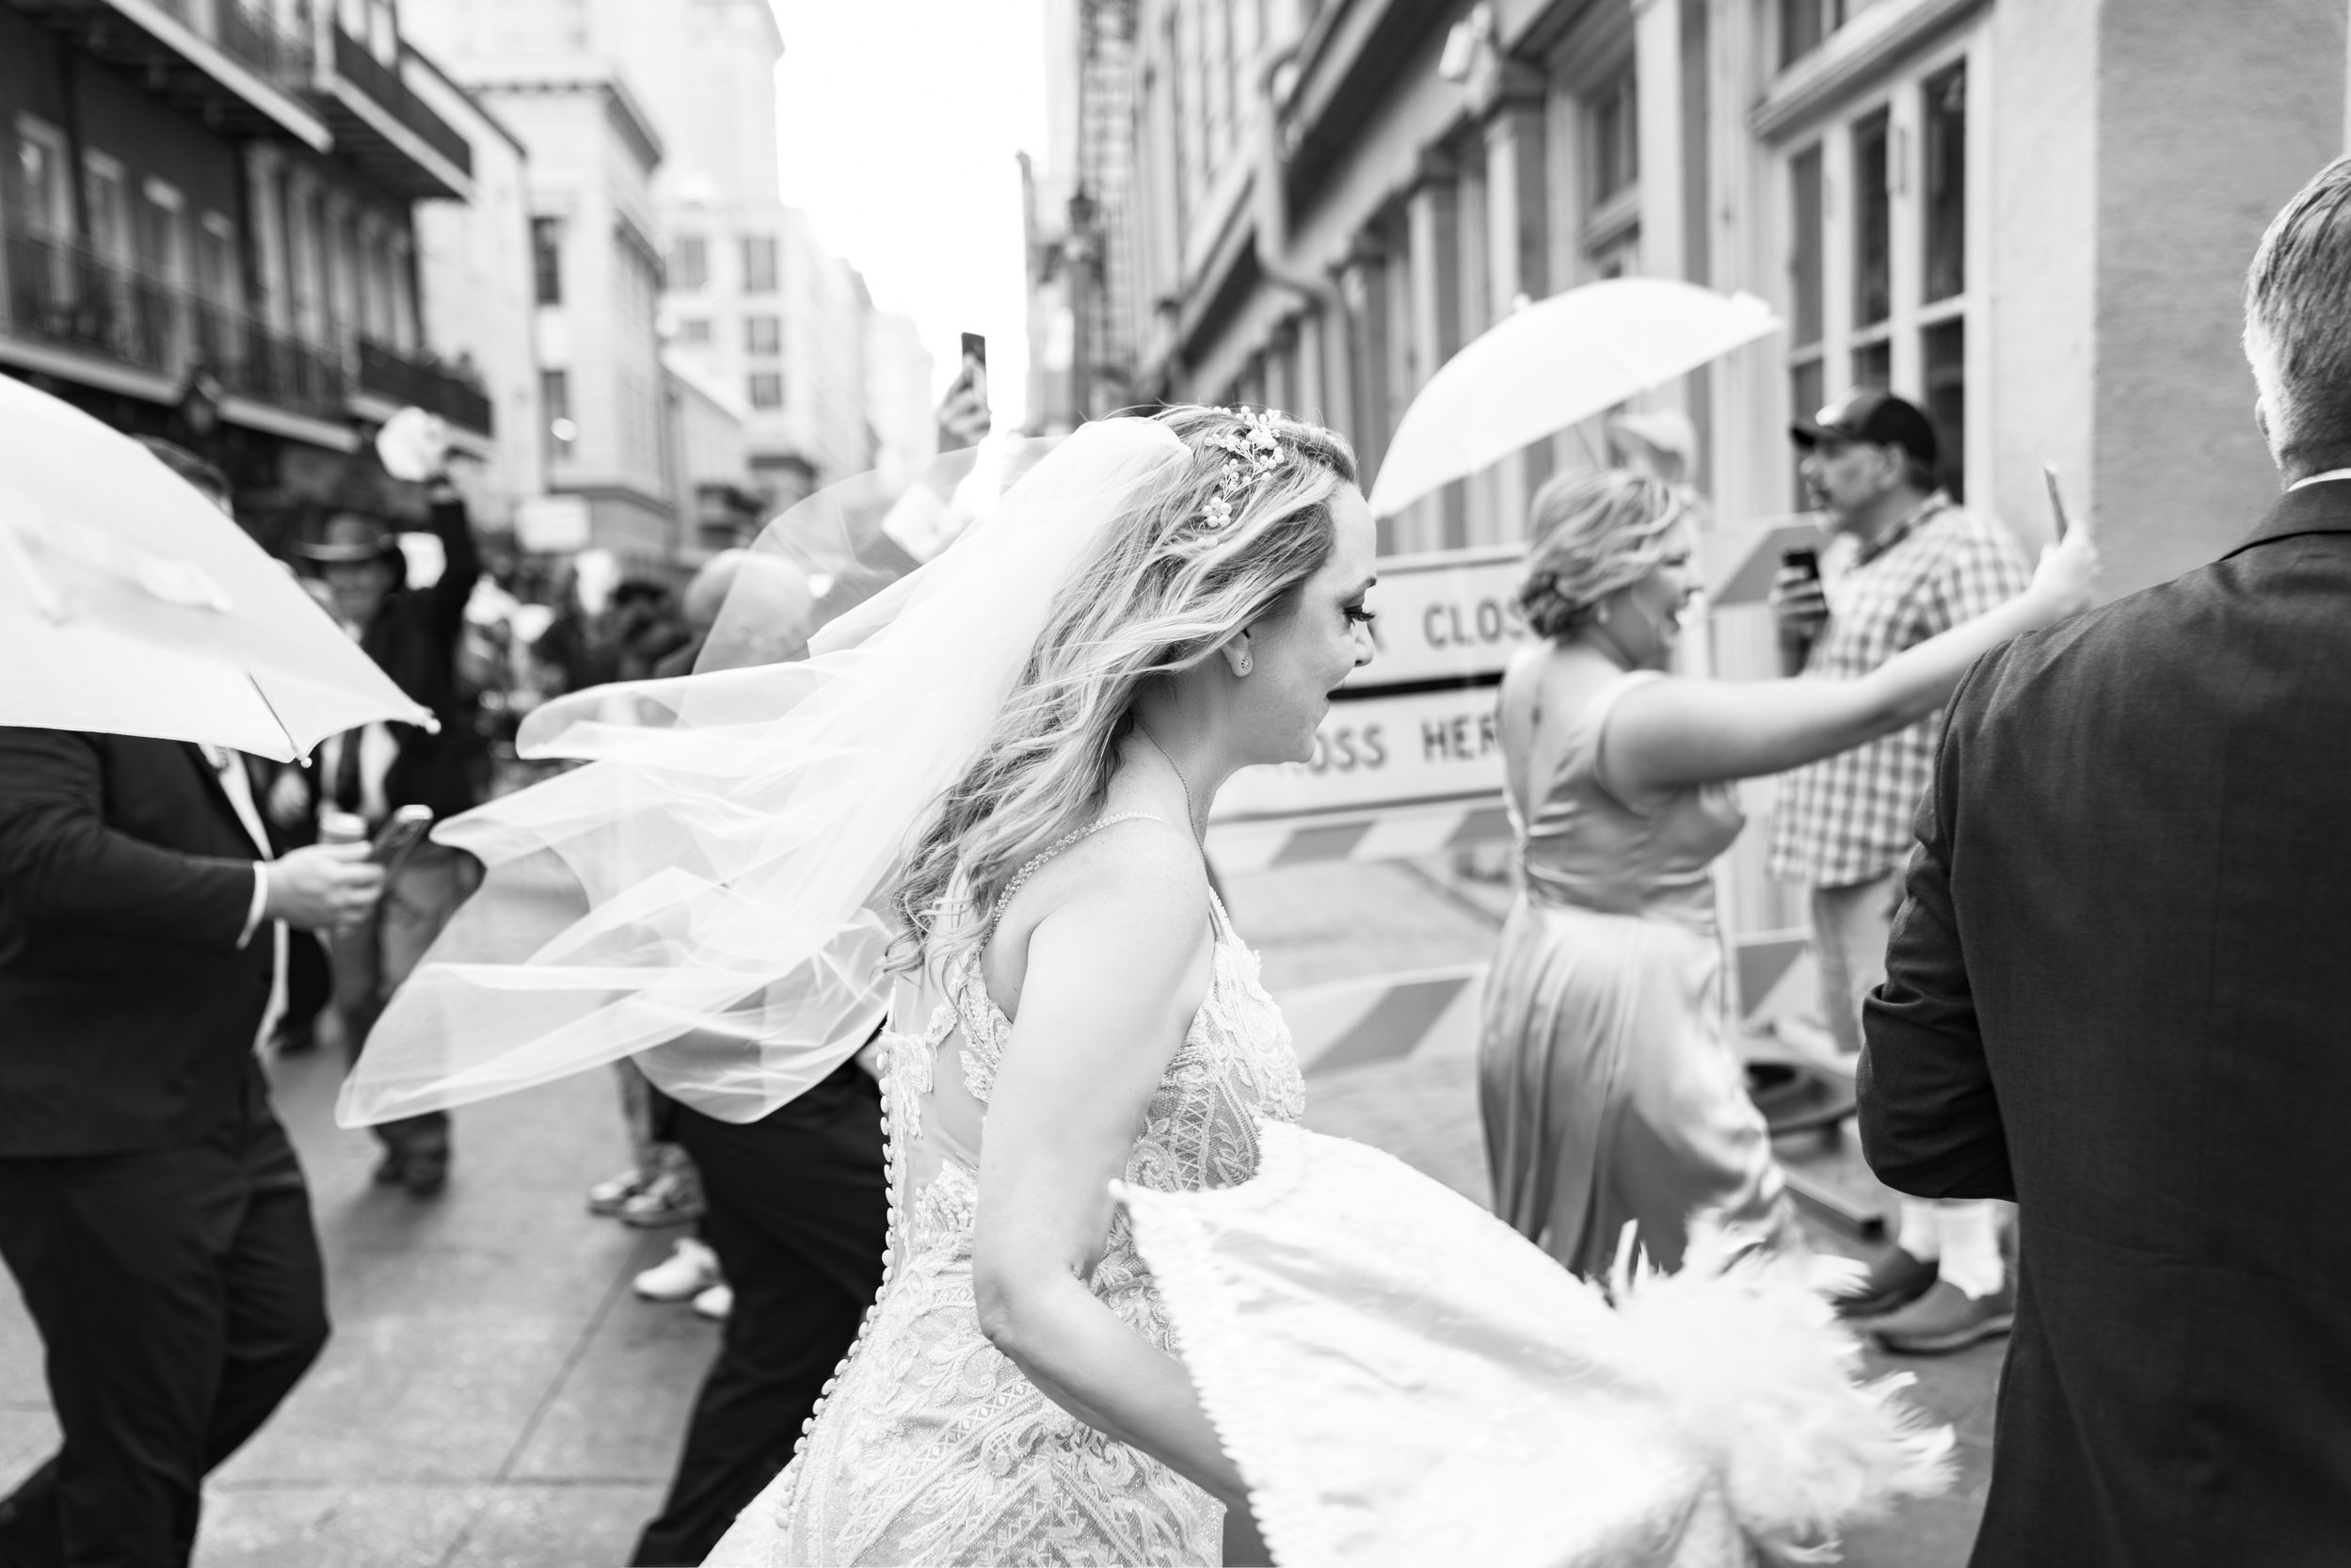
<point>260,900</point>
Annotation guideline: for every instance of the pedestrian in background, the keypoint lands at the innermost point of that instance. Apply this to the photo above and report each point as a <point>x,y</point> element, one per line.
<point>414,635</point>
<point>1906,564</point>
<point>2120,993</point>
<point>1606,1080</point>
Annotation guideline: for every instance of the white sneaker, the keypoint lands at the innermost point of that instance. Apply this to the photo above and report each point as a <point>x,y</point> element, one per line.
<point>715,1302</point>
<point>690,1268</point>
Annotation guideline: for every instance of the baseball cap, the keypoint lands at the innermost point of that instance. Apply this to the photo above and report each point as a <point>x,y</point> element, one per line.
<point>1874,415</point>
<point>350,538</point>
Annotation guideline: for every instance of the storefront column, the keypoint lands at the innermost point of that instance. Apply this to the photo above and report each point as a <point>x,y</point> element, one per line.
<point>1518,260</point>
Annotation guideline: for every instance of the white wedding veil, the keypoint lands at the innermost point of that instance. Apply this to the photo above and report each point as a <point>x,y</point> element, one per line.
<point>707,893</point>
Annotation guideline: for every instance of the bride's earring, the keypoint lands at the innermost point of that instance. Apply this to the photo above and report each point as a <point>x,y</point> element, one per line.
<point>1244,666</point>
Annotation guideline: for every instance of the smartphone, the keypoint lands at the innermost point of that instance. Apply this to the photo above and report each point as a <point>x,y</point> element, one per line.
<point>1802,558</point>
<point>398,837</point>
<point>2056,499</point>
<point>975,365</point>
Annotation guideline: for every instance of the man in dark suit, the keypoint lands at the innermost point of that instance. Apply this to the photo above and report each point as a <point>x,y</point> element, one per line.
<point>413,633</point>
<point>150,1208</point>
<point>2120,993</point>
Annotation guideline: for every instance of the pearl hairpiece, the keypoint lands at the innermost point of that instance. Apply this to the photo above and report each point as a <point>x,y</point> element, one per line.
<point>1251,452</point>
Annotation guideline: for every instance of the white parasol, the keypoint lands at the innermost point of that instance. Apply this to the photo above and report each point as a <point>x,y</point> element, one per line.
<point>1544,368</point>
<point>131,605</point>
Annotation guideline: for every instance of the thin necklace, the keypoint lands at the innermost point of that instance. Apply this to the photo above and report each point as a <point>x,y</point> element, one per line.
<point>1191,812</point>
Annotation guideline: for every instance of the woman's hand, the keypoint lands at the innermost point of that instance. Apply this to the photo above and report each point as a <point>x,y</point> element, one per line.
<point>2065,582</point>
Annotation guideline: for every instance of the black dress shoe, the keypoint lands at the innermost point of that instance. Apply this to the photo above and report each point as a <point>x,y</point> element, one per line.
<point>424,1172</point>
<point>1892,1283</point>
<point>391,1171</point>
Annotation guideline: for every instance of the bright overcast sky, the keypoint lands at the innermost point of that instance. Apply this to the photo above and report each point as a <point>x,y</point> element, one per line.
<point>900,120</point>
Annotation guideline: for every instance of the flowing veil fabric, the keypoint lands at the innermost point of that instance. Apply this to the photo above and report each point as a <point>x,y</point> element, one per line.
<point>705,893</point>
<point>1404,1379</point>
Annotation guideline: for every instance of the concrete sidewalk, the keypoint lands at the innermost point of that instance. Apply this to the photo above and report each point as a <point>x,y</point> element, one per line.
<point>494,1395</point>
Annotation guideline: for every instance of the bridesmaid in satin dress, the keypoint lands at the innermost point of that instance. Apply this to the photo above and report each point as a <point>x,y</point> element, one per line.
<point>1608,1081</point>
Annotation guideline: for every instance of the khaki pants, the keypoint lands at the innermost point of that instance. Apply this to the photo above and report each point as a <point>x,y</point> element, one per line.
<point>374,958</point>
<point>1851,926</point>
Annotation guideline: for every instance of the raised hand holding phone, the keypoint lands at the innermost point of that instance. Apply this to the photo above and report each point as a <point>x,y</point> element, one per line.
<point>2068,573</point>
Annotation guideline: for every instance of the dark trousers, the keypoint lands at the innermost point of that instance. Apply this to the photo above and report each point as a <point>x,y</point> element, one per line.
<point>797,1211</point>
<point>179,1295</point>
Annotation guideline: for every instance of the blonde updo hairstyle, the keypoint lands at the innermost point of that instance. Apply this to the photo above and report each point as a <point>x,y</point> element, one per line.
<point>1594,533</point>
<point>1164,588</point>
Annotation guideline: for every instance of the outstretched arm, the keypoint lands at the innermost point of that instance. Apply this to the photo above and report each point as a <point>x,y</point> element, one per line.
<point>1929,1119</point>
<point>1115,975</point>
<point>1672,735</point>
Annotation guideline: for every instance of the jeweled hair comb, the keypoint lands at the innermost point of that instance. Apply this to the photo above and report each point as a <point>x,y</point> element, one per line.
<point>1251,452</point>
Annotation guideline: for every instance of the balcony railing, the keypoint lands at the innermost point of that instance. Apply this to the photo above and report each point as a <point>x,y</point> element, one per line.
<point>66,295</point>
<point>396,377</point>
<point>382,83</point>
<point>279,56</point>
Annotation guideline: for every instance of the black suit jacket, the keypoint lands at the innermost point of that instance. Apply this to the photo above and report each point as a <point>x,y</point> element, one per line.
<point>127,1010</point>
<point>2120,993</point>
<point>414,639</point>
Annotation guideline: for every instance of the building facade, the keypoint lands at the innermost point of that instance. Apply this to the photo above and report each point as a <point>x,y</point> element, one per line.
<point>2031,216</point>
<point>207,232</point>
<point>475,284</point>
<point>552,75</point>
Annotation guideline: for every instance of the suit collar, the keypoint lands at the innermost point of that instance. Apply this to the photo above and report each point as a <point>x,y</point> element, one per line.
<point>211,785</point>
<point>2313,510</point>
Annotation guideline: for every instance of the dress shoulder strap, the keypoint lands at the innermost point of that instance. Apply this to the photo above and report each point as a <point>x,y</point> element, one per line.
<point>1005,899</point>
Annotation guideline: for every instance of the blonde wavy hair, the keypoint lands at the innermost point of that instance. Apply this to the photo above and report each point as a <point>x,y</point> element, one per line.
<point>1161,592</point>
<point>1594,533</point>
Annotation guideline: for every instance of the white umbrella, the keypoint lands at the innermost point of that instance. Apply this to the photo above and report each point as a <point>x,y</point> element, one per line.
<point>1541,369</point>
<point>131,605</point>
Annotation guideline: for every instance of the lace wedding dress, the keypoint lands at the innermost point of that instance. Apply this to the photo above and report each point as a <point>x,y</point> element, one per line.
<point>930,1446</point>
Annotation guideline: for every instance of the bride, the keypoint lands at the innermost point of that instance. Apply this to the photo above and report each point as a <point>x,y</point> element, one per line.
<point>1083,1001</point>
<point>1122,1286</point>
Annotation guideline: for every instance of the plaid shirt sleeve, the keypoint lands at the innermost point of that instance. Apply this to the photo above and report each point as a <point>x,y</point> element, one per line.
<point>1846,818</point>
<point>1983,569</point>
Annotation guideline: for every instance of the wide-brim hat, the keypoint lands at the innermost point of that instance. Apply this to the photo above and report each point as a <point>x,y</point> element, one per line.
<point>351,539</point>
<point>1874,415</point>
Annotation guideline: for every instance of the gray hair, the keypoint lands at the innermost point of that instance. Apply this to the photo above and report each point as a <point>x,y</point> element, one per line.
<point>2297,323</point>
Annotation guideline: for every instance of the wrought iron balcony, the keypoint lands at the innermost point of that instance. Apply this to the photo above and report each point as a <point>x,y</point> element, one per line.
<point>64,296</point>
<point>396,377</point>
<point>229,63</point>
<point>386,128</point>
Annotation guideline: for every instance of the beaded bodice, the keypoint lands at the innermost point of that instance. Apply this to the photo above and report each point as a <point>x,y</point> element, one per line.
<point>932,1446</point>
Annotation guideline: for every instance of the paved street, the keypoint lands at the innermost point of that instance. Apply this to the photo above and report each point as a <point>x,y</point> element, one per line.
<point>495,1396</point>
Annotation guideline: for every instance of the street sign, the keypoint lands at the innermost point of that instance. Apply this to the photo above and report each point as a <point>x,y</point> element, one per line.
<point>1411,733</point>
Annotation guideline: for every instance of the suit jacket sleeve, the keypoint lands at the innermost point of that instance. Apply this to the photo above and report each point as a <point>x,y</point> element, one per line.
<point>1929,1120</point>
<point>59,859</point>
<point>461,568</point>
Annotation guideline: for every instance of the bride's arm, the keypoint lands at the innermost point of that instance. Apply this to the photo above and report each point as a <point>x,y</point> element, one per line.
<point>1114,974</point>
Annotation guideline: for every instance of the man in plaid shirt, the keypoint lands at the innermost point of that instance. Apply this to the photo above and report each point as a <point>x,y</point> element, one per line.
<point>1905,565</point>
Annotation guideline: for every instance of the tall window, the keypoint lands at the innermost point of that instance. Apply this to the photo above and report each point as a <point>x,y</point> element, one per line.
<point>40,178</point>
<point>1614,123</point>
<point>1805,25</point>
<point>690,263</point>
<point>759,264</point>
<point>767,389</point>
<point>1877,285</point>
<point>763,335</point>
<point>554,399</point>
<point>546,260</point>
<point>1873,250</point>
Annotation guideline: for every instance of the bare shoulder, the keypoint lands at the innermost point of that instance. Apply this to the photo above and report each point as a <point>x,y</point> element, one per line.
<point>1141,882</point>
